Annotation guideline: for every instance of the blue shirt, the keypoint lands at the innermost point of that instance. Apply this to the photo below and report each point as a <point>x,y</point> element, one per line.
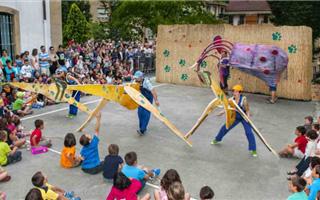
<point>133,172</point>
<point>8,73</point>
<point>44,56</point>
<point>90,153</point>
<point>314,188</point>
<point>298,196</point>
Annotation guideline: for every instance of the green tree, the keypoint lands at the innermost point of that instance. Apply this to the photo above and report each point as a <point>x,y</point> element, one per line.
<point>99,30</point>
<point>129,18</point>
<point>76,27</point>
<point>297,13</point>
<point>84,6</point>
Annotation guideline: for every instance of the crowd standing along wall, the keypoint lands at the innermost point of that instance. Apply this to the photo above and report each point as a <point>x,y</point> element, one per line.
<point>179,46</point>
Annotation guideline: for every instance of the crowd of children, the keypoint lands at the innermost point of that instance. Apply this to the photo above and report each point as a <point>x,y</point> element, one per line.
<point>304,179</point>
<point>128,178</point>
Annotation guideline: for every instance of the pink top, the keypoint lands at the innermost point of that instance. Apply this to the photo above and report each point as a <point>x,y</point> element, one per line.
<point>129,193</point>
<point>163,194</point>
<point>11,127</point>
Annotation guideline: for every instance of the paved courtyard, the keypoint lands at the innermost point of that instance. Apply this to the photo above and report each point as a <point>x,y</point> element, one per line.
<point>228,168</point>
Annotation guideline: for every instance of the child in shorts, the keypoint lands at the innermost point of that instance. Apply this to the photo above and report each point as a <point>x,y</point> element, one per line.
<point>297,149</point>
<point>131,169</point>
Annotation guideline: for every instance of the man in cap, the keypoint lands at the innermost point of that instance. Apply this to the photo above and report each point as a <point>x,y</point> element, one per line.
<point>149,92</point>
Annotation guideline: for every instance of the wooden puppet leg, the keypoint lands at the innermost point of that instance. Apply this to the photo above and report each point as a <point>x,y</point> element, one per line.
<point>142,101</point>
<point>102,103</point>
<point>211,106</point>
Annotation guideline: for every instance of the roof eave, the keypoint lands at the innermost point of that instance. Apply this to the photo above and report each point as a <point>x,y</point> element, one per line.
<point>246,12</point>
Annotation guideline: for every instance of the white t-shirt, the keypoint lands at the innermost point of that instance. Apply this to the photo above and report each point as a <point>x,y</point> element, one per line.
<point>310,149</point>
<point>26,71</point>
<point>147,84</point>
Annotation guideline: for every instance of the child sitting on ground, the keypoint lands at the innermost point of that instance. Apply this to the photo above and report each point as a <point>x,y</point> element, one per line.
<point>298,148</point>
<point>310,152</point>
<point>12,133</point>
<point>68,154</point>
<point>131,169</point>
<point>314,187</point>
<point>4,177</point>
<point>125,188</point>
<point>17,122</point>
<point>36,138</point>
<point>8,156</point>
<point>206,193</point>
<point>296,186</point>
<point>176,192</point>
<point>112,163</point>
<point>168,178</point>
<point>308,121</point>
<point>90,153</point>
<point>314,161</point>
<point>19,107</point>
<point>48,191</point>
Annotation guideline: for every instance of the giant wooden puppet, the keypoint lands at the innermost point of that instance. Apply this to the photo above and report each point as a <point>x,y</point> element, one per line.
<point>266,62</point>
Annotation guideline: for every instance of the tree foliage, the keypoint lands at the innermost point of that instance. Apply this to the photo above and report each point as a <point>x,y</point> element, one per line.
<point>76,27</point>
<point>129,18</point>
<point>297,13</point>
<point>84,6</point>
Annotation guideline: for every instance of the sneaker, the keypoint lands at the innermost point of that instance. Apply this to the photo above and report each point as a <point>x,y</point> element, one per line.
<point>215,142</point>
<point>75,198</point>
<point>156,171</point>
<point>69,195</point>
<point>254,153</point>
<point>140,133</point>
<point>70,116</point>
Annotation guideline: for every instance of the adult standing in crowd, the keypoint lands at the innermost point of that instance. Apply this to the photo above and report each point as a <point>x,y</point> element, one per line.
<point>44,61</point>
<point>35,60</point>
<point>53,60</point>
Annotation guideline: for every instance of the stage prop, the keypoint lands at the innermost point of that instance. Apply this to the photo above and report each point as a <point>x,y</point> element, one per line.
<point>126,95</point>
<point>260,56</point>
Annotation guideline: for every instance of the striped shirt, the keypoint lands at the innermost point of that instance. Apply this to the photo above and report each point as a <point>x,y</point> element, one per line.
<point>44,56</point>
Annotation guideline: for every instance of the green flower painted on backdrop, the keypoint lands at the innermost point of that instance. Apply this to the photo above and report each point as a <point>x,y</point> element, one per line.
<point>166,53</point>
<point>292,48</point>
<point>182,62</point>
<point>276,36</point>
<point>203,64</point>
<point>167,68</point>
<point>184,77</point>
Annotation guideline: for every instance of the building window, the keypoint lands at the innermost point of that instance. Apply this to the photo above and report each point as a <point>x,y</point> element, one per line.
<point>6,33</point>
<point>102,14</point>
<point>265,19</point>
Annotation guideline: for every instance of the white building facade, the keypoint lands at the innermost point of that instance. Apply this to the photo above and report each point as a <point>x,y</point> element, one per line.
<point>27,24</point>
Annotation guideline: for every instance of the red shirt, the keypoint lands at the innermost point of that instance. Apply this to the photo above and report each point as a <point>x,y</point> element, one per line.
<point>129,193</point>
<point>302,143</point>
<point>37,132</point>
